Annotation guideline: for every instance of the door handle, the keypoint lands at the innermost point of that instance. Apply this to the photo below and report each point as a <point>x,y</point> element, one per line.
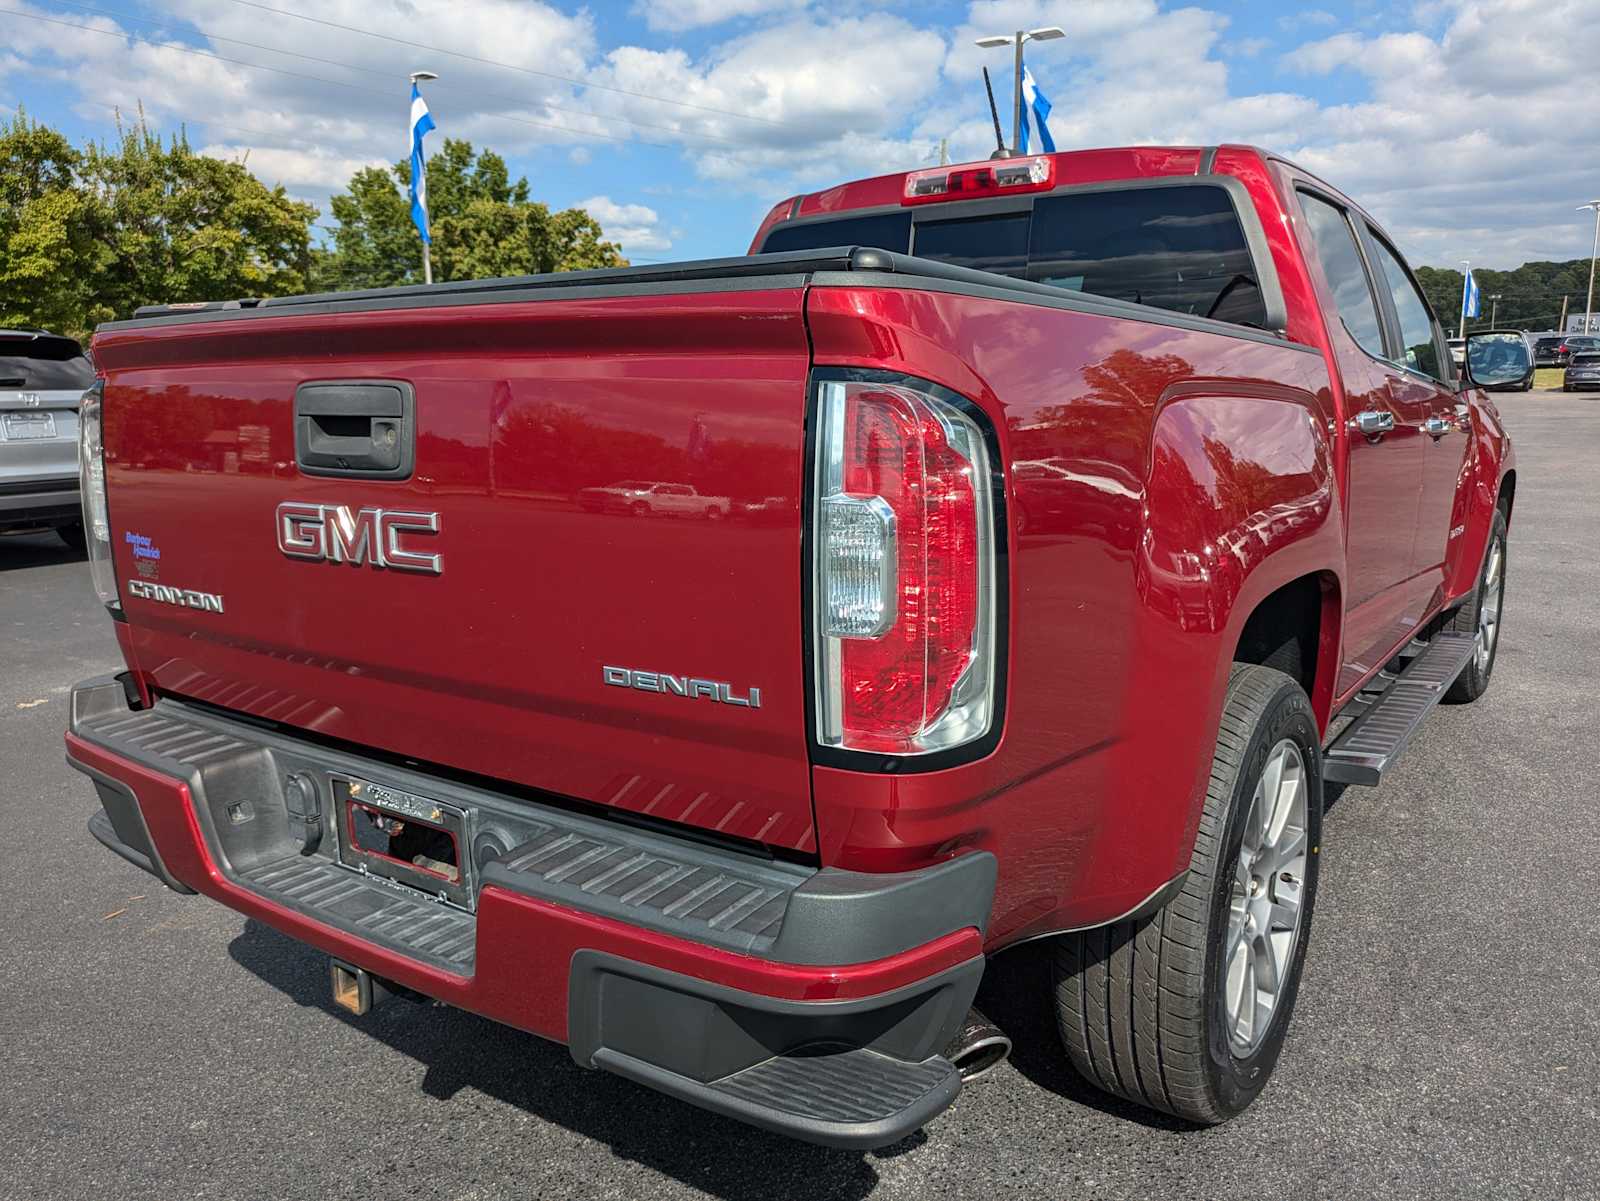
<point>1372,423</point>
<point>1436,427</point>
<point>360,428</point>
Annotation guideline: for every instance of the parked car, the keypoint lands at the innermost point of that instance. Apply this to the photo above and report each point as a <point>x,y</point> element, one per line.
<point>1583,371</point>
<point>745,827</point>
<point>661,499</point>
<point>1571,344</point>
<point>1458,350</point>
<point>43,376</point>
<point>1498,350</point>
<point>1547,350</point>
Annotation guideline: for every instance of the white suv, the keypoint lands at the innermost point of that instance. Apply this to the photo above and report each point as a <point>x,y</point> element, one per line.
<point>42,378</point>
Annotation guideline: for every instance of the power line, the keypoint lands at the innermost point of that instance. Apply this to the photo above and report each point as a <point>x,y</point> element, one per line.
<point>354,87</point>
<point>489,62</point>
<point>329,62</point>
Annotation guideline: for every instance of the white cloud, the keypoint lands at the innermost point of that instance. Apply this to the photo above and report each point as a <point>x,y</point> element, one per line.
<point>299,171</point>
<point>1305,18</point>
<point>1460,145</point>
<point>309,119</point>
<point>1462,148</point>
<point>692,14</point>
<point>819,97</point>
<point>635,227</point>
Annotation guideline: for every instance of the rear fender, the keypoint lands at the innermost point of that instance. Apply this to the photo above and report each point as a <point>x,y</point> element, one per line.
<point>1242,501</point>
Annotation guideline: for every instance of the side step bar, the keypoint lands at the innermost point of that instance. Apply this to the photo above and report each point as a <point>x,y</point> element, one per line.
<point>1371,743</point>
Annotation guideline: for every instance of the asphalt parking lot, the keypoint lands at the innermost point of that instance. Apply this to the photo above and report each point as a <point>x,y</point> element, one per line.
<point>1444,1046</point>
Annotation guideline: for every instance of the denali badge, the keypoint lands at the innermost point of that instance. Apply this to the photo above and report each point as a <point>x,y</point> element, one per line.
<point>660,681</point>
<point>372,536</point>
<point>186,598</point>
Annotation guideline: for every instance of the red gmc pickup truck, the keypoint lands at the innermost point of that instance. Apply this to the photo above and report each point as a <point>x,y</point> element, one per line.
<point>1089,514</point>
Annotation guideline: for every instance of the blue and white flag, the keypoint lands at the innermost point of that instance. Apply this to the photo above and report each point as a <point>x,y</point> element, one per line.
<point>421,123</point>
<point>1034,102</point>
<point>1469,296</point>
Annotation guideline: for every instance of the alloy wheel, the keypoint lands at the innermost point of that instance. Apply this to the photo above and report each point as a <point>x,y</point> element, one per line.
<point>1265,902</point>
<point>1494,587</point>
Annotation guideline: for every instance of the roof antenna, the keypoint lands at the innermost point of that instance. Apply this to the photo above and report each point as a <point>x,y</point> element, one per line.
<point>1000,150</point>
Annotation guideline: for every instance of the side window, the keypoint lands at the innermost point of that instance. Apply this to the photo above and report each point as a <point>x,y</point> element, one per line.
<point>1419,351</point>
<point>1341,263</point>
<point>998,243</point>
<point>1179,248</point>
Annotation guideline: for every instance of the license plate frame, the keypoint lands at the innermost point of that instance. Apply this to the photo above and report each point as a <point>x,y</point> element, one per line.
<point>29,427</point>
<point>359,808</point>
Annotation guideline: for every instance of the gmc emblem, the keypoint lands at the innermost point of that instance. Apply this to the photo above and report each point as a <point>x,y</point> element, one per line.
<point>370,537</point>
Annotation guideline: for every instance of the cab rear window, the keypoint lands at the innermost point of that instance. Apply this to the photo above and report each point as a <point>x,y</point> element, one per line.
<point>883,231</point>
<point>1181,248</point>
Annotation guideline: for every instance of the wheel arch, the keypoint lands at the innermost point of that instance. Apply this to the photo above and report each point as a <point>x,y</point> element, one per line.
<point>1295,629</point>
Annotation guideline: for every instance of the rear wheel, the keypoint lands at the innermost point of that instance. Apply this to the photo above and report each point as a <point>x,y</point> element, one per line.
<point>1186,1010</point>
<point>1480,617</point>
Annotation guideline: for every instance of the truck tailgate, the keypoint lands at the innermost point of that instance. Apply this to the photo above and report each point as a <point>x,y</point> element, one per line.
<point>616,480</point>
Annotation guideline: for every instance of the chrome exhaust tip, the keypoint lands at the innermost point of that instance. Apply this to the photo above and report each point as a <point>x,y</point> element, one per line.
<point>978,1048</point>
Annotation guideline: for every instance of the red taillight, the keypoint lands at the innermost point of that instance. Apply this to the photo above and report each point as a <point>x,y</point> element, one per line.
<point>971,180</point>
<point>905,567</point>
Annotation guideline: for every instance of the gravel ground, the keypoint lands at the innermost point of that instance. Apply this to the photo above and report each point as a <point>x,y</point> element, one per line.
<point>161,1046</point>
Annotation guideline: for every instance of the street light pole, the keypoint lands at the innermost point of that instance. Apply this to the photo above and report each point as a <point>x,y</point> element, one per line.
<point>1588,309</point>
<point>1015,40</point>
<point>1494,309</point>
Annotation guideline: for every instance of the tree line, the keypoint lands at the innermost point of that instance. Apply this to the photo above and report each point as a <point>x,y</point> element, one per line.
<point>1530,296</point>
<point>90,233</point>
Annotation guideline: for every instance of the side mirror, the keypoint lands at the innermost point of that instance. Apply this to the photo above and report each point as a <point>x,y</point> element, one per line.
<point>1497,357</point>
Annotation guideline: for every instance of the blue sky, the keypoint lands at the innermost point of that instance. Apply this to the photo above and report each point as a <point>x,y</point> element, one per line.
<point>1465,125</point>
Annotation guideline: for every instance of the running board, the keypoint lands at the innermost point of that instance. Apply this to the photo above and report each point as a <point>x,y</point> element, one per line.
<point>1374,740</point>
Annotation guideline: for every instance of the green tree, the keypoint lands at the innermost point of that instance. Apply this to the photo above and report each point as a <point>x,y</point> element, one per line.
<point>483,225</point>
<point>50,248</point>
<point>184,226</point>
<point>90,235</point>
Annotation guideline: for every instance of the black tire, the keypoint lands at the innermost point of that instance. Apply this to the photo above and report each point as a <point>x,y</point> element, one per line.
<point>73,536</point>
<point>1139,1003</point>
<point>1473,681</point>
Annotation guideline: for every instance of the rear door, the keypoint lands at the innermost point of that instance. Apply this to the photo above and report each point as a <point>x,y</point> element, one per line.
<point>475,615</point>
<point>1420,377</point>
<point>1385,465</point>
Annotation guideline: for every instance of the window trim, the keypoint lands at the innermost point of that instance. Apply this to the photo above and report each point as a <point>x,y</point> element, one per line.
<point>1244,211</point>
<point>1386,329</point>
<point>1368,232</point>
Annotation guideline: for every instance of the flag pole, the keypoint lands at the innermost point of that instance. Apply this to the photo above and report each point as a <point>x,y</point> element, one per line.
<point>419,177</point>
<point>1466,284</point>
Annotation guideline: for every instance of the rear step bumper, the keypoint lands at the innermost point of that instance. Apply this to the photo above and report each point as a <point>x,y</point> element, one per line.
<point>812,1003</point>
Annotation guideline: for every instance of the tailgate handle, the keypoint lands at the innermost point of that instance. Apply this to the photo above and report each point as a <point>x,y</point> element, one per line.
<point>361,428</point>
